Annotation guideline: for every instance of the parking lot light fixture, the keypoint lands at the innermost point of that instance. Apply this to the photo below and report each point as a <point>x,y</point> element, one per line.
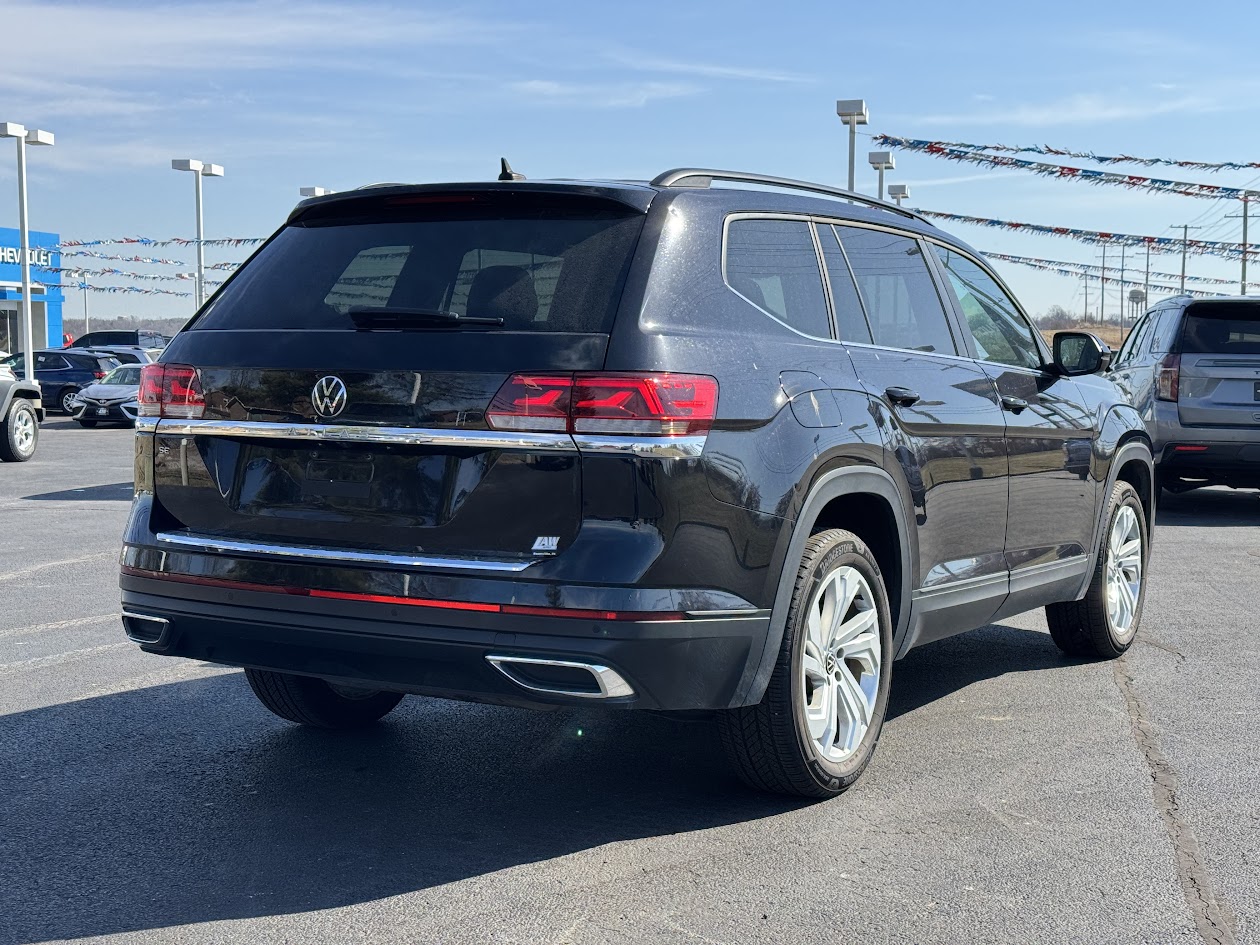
<point>24,136</point>
<point>899,192</point>
<point>852,112</point>
<point>315,191</point>
<point>199,169</point>
<point>881,161</point>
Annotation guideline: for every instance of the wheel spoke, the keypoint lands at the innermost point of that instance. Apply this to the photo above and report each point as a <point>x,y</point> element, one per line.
<point>864,650</point>
<point>812,664</point>
<point>853,706</point>
<point>856,625</point>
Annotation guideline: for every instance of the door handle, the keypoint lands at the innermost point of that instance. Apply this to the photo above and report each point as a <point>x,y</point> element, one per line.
<point>1013,404</point>
<point>902,396</point>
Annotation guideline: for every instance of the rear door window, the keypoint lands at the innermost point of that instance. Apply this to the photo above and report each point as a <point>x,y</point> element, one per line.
<point>902,304</point>
<point>1221,328</point>
<point>539,262</point>
<point>851,324</point>
<point>774,265</point>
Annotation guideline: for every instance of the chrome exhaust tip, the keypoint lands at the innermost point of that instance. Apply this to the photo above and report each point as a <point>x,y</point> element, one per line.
<point>562,677</point>
<point>146,630</point>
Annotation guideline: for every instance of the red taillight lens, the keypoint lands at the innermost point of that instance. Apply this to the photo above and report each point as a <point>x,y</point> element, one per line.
<point>99,375</point>
<point>171,390</point>
<point>1168,380</point>
<point>616,404</point>
<point>532,402</point>
<point>654,404</point>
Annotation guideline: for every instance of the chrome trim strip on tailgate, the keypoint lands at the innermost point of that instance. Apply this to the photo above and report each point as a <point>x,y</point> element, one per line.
<point>317,553</point>
<point>656,447</point>
<point>405,436</point>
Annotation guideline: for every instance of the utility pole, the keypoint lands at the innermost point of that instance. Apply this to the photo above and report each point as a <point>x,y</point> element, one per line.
<point>1102,289</point>
<point>1146,289</point>
<point>1185,242</point>
<point>1123,247</point>
<point>1242,286</point>
<point>1085,320</point>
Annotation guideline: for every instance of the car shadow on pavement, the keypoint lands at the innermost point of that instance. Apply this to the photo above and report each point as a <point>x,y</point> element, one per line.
<point>187,803</point>
<point>115,491</point>
<point>1209,507</point>
<point>937,670</point>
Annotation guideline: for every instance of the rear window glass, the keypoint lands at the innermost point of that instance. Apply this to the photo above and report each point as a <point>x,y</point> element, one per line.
<point>539,264</point>
<point>1221,328</point>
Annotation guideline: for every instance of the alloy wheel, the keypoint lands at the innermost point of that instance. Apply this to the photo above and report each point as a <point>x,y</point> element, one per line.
<point>24,432</point>
<point>840,666</point>
<point>1124,572</point>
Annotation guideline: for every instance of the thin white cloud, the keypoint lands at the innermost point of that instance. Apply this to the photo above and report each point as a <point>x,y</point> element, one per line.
<point>704,70</point>
<point>97,39</point>
<point>600,94</point>
<point>962,179</point>
<point>1074,110</point>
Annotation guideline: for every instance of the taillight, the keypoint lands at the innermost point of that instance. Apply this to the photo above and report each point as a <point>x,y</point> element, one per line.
<point>606,404</point>
<point>171,391</point>
<point>99,375</point>
<point>1168,380</point>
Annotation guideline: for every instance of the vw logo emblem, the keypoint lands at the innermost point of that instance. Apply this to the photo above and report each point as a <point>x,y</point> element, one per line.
<point>329,396</point>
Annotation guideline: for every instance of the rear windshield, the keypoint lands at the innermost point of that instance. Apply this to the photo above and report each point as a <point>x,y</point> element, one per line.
<point>1221,328</point>
<point>539,263</point>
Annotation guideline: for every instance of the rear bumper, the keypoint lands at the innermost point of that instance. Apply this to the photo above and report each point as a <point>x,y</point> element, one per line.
<point>1236,463</point>
<point>696,663</point>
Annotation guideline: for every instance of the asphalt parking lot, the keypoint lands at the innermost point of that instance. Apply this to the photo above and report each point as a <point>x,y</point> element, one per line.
<point>1016,796</point>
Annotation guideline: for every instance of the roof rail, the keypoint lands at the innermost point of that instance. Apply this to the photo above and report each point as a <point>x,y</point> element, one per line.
<point>703,177</point>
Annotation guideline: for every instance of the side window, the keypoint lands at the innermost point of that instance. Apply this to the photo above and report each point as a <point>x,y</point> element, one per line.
<point>1001,333</point>
<point>1162,332</point>
<point>901,300</point>
<point>773,264</point>
<point>1133,343</point>
<point>851,323</point>
<point>50,362</point>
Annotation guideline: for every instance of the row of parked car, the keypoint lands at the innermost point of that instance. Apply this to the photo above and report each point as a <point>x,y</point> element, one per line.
<point>95,379</point>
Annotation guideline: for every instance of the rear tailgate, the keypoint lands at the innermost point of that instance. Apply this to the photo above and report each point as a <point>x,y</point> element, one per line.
<point>1220,364</point>
<point>315,433</point>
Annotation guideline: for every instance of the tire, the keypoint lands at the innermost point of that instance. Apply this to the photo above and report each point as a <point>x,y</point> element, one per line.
<point>310,701</point>
<point>87,422</point>
<point>20,433</point>
<point>771,745</point>
<point>1091,627</point>
<point>63,399</point>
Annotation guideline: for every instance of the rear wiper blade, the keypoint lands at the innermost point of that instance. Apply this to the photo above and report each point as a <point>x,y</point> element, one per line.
<point>371,317</point>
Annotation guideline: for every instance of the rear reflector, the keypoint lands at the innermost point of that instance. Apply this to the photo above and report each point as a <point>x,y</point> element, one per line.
<point>171,390</point>
<point>477,606</point>
<point>606,403</point>
<point>1189,449</point>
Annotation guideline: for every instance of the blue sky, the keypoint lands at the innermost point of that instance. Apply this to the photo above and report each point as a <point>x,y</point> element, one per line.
<point>337,94</point>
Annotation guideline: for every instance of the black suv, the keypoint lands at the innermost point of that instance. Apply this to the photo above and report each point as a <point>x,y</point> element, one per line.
<point>659,445</point>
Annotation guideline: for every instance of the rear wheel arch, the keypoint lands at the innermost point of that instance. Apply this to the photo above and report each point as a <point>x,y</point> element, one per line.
<point>863,496</point>
<point>1134,463</point>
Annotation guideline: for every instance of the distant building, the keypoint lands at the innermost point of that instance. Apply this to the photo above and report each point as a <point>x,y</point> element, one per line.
<point>45,302</point>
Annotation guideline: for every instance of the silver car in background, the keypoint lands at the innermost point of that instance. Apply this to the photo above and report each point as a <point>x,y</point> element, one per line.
<point>1192,369</point>
<point>113,398</point>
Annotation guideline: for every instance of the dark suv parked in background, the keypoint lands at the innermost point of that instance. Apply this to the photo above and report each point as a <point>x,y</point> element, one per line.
<point>63,372</point>
<point>1192,369</point>
<point>642,445</point>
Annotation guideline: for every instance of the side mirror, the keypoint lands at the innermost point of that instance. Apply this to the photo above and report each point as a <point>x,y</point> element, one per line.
<point>1079,352</point>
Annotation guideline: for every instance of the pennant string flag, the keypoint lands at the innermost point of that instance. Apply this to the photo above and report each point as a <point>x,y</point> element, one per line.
<point>1136,276</point>
<point>1076,274</point>
<point>1132,181</point>
<point>892,141</point>
<point>132,289</point>
<point>1157,244</point>
<point>145,241</point>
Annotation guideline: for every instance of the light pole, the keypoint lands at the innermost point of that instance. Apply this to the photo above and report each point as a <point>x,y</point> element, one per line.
<point>899,192</point>
<point>881,161</point>
<point>852,112</point>
<point>23,137</point>
<point>315,191</point>
<point>199,170</point>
